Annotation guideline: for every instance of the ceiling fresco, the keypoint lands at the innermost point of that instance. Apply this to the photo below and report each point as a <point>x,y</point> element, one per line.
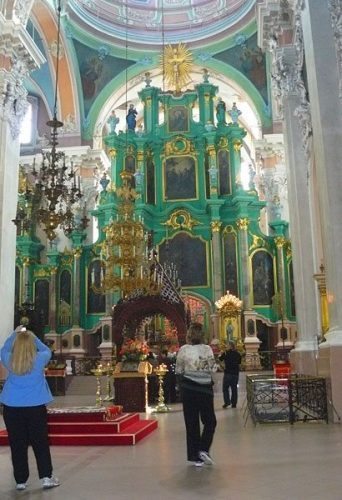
<point>154,22</point>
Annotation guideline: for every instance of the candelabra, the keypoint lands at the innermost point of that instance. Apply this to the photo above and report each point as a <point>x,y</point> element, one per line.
<point>54,190</point>
<point>161,407</point>
<point>98,372</point>
<point>127,265</point>
<point>109,368</point>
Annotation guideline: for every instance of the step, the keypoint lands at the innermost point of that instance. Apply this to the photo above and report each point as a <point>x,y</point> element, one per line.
<point>107,427</point>
<point>130,436</point>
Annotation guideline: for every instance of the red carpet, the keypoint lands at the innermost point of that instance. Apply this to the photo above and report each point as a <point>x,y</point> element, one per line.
<point>91,427</point>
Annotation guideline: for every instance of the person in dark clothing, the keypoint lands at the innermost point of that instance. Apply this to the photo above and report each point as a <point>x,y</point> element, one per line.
<point>232,360</point>
<point>195,364</point>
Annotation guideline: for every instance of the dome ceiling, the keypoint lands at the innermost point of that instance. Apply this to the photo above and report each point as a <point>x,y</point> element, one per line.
<point>155,22</point>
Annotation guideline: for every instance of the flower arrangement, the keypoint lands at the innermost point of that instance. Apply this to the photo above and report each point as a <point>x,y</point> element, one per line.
<point>134,350</point>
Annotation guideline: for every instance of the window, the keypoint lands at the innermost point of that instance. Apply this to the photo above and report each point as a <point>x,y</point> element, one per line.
<point>28,129</point>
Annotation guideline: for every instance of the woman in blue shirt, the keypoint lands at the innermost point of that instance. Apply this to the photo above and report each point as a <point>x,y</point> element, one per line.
<point>24,396</point>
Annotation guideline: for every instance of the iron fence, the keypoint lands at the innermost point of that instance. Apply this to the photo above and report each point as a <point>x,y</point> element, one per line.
<point>297,398</point>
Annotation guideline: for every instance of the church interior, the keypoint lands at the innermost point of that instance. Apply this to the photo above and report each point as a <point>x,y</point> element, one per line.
<point>167,162</point>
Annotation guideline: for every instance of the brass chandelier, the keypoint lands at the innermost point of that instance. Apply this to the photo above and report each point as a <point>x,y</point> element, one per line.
<point>127,263</point>
<point>54,190</point>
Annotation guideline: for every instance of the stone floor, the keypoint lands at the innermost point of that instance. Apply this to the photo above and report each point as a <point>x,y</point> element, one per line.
<point>263,462</point>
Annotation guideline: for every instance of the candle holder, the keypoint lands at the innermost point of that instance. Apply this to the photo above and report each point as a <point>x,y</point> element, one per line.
<point>109,369</point>
<point>161,407</point>
<point>98,372</point>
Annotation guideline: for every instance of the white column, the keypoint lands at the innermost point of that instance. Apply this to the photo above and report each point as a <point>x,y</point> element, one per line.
<point>326,109</point>
<point>301,224</point>
<point>18,56</point>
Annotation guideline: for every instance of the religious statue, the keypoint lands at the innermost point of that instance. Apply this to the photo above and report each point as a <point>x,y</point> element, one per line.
<point>229,331</point>
<point>131,118</point>
<point>205,75</point>
<point>112,121</point>
<point>176,62</point>
<point>221,111</point>
<point>234,113</point>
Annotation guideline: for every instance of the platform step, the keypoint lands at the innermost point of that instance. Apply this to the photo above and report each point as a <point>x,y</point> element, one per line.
<point>96,427</point>
<point>125,429</point>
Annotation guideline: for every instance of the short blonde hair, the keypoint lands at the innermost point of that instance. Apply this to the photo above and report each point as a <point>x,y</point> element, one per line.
<point>195,334</point>
<point>24,353</point>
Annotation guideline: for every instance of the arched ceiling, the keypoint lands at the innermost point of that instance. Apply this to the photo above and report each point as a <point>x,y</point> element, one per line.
<point>155,22</point>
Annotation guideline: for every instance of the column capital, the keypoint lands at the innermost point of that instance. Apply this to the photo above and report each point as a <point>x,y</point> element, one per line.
<point>19,56</point>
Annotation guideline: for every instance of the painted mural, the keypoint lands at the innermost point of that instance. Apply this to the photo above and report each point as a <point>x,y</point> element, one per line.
<point>263,278</point>
<point>190,256</point>
<point>96,70</point>
<point>180,178</point>
<point>248,58</point>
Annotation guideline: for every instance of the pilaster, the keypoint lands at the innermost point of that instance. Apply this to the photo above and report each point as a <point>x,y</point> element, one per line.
<point>18,56</point>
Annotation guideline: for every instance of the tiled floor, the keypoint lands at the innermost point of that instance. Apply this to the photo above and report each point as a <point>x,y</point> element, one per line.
<point>266,462</point>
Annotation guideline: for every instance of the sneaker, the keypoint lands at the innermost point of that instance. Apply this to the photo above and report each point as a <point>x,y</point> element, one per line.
<point>199,463</point>
<point>204,455</point>
<point>50,482</point>
<point>225,405</point>
<point>21,486</point>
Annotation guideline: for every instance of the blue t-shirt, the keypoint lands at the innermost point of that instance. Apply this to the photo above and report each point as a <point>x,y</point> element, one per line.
<point>30,389</point>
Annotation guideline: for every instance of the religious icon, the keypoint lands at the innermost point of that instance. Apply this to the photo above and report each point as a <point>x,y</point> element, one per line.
<point>176,62</point>
<point>112,121</point>
<point>178,119</point>
<point>131,117</point>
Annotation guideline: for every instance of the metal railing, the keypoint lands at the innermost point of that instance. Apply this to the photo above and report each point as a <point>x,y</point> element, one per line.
<point>297,398</point>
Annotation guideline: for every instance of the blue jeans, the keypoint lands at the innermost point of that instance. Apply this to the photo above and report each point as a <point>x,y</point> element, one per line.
<point>229,388</point>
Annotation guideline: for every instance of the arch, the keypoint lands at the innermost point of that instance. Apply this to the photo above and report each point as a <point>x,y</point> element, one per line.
<point>139,308</point>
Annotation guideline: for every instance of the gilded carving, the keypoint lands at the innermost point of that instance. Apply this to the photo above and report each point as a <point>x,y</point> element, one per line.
<point>112,153</point>
<point>181,219</point>
<point>237,144</point>
<point>242,224</point>
<point>280,241</point>
<point>257,242</point>
<point>178,145</point>
<point>43,272</point>
<point>229,229</point>
<point>77,252</point>
<point>223,142</point>
<point>216,226</point>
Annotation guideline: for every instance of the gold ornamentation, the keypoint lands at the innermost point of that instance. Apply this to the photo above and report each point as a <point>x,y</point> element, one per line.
<point>229,305</point>
<point>206,97</point>
<point>112,153</point>
<point>77,252</point>
<point>148,102</point>
<point>26,261</point>
<point>53,270</point>
<point>216,226</point>
<point>181,219</point>
<point>140,156</point>
<point>229,229</point>
<point>43,272</point>
<point>280,241</point>
<point>176,62</point>
<point>211,150</point>
<point>242,224</point>
<point>179,145</point>
<point>237,144</point>
<point>258,242</point>
<point>223,143</point>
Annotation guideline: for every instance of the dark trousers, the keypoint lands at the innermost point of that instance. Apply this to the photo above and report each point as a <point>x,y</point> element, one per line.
<point>28,426</point>
<point>229,388</point>
<point>198,406</point>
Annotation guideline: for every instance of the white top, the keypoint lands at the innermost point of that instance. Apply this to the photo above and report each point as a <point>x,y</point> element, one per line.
<point>196,362</point>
